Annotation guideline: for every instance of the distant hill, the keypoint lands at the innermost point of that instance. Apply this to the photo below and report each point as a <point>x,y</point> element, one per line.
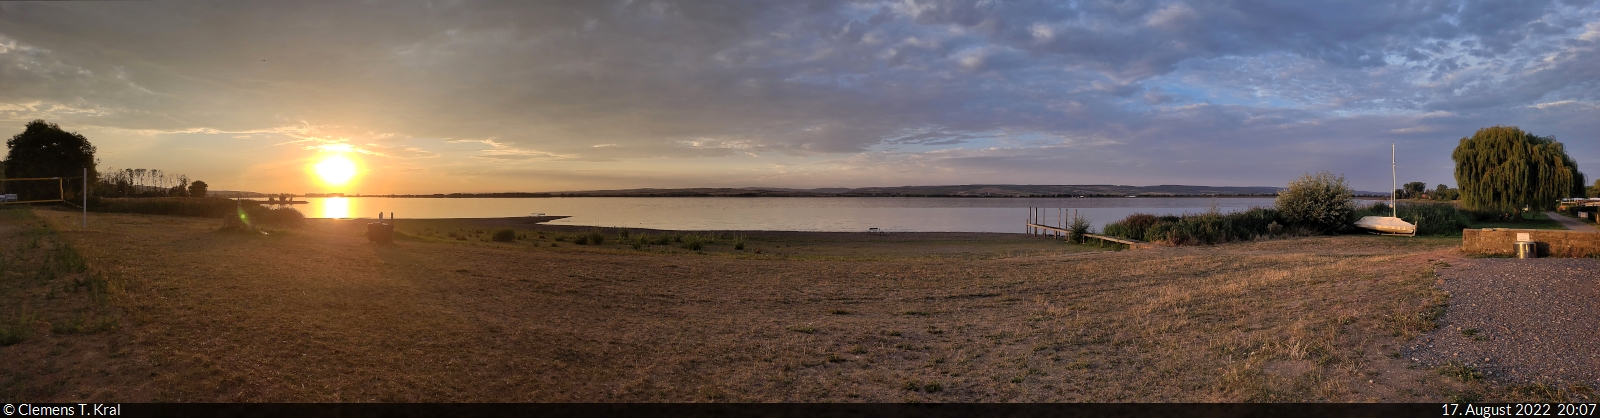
<point>969,190</point>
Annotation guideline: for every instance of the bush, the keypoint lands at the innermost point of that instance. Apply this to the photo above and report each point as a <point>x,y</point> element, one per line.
<point>1078,228</point>
<point>1321,202</point>
<point>595,237</point>
<point>505,235</point>
<point>696,241</point>
<point>284,217</point>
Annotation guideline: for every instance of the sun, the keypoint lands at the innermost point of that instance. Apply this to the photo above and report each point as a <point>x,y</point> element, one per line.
<point>336,170</point>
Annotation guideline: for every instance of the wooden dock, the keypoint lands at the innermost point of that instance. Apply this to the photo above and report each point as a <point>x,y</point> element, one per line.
<point>1132,244</point>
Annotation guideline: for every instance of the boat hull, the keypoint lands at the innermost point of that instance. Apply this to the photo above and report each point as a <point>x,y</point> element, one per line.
<point>1386,225</point>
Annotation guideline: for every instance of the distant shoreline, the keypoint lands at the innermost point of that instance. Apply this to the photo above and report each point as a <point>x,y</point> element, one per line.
<point>559,195</point>
<point>956,191</point>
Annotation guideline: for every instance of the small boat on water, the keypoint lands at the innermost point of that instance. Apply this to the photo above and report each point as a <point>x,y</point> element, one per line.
<point>1389,225</point>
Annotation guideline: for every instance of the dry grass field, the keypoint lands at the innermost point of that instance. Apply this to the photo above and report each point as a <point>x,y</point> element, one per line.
<point>171,309</point>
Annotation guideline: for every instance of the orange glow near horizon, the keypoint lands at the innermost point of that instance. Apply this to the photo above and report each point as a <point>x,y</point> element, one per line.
<point>335,170</point>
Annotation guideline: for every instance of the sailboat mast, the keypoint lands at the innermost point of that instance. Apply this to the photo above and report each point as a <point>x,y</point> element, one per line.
<point>1394,183</point>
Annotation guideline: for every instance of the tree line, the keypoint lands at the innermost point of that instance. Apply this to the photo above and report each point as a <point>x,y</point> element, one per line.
<point>140,182</point>
<point>44,150</point>
<point>1419,190</point>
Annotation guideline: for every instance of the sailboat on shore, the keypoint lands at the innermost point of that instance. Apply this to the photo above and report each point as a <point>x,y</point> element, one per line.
<point>1389,225</point>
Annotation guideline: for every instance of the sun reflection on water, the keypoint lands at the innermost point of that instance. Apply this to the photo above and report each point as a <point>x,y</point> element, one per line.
<point>335,208</point>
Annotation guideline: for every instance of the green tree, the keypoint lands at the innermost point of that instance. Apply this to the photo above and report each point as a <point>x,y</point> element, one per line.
<point>44,150</point>
<point>1594,191</point>
<point>197,189</point>
<point>1415,189</point>
<point>1444,193</point>
<point>1503,168</point>
<point>1320,201</point>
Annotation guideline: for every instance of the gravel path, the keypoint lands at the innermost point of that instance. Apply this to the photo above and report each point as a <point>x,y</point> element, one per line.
<point>1523,321</point>
<point>1572,224</point>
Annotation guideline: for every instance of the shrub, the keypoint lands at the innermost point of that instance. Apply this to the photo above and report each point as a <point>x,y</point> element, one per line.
<point>505,235</point>
<point>580,240</point>
<point>1078,228</point>
<point>285,217</point>
<point>696,241</point>
<point>1318,201</point>
<point>738,244</point>
<point>595,237</point>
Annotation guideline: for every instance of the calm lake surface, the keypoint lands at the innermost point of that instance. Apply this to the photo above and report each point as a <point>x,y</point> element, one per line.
<point>838,214</point>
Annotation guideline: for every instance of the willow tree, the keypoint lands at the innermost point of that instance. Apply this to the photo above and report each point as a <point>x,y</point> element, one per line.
<point>1505,169</point>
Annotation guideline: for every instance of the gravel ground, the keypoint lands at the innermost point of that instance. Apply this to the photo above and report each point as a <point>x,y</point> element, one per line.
<point>1520,321</point>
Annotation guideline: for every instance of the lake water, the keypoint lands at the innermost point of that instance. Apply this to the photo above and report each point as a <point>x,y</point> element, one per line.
<point>848,214</point>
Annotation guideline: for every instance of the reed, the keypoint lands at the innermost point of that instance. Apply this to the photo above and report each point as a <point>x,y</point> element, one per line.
<point>1207,228</point>
<point>1430,218</point>
<point>202,207</point>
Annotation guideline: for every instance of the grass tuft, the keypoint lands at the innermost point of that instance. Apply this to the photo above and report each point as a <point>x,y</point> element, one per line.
<point>17,326</point>
<point>1462,372</point>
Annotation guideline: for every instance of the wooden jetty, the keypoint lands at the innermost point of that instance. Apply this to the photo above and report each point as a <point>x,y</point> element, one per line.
<point>1059,232</point>
<point>1034,228</point>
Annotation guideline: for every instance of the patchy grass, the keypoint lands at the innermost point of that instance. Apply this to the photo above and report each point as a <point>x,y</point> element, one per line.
<point>325,317</point>
<point>59,319</point>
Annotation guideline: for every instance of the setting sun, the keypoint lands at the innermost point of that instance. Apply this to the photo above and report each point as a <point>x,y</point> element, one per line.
<point>336,170</point>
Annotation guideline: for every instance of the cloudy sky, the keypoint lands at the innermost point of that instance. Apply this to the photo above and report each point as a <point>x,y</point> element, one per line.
<point>448,96</point>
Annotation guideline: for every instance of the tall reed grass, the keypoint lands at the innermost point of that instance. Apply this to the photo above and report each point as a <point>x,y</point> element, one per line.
<point>1203,229</point>
<point>1215,228</point>
<point>1431,218</point>
<point>203,207</point>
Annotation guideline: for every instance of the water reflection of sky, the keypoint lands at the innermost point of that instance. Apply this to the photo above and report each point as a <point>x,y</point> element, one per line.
<point>781,214</point>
